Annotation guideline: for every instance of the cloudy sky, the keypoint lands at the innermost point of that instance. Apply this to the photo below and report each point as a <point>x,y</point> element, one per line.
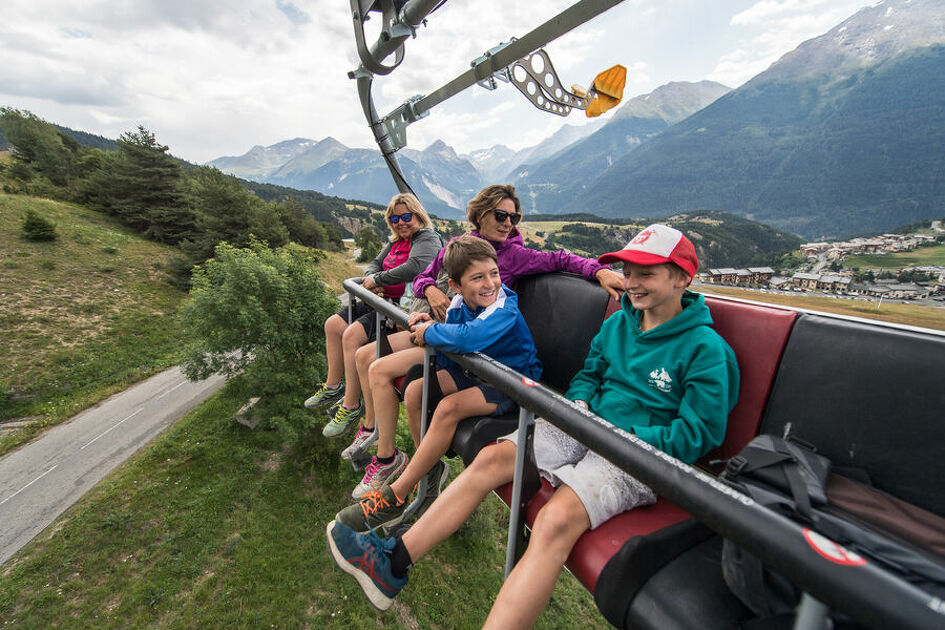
<point>212,78</point>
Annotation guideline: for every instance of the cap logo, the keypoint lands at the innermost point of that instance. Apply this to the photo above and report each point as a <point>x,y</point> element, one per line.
<point>642,237</point>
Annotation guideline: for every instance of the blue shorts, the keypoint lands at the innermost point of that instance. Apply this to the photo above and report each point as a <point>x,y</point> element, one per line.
<point>503,403</point>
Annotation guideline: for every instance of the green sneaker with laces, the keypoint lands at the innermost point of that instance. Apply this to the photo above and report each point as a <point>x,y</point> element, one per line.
<point>325,395</point>
<point>436,479</point>
<point>341,419</point>
<point>376,509</point>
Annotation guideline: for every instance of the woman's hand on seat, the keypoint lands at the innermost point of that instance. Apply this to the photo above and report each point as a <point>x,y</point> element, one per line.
<point>611,281</point>
<point>438,302</point>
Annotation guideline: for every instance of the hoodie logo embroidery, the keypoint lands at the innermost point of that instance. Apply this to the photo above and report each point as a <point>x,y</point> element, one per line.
<point>661,380</point>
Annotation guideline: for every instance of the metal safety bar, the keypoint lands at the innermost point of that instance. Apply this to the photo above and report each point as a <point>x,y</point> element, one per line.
<point>862,591</point>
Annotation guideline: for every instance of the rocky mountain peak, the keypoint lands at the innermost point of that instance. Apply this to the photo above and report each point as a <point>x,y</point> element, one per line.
<point>872,34</point>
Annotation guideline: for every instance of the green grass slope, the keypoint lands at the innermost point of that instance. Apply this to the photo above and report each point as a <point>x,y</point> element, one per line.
<point>81,317</point>
<point>214,526</point>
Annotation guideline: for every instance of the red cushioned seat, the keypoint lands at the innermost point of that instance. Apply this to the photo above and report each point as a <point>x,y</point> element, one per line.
<point>595,548</point>
<point>757,333</point>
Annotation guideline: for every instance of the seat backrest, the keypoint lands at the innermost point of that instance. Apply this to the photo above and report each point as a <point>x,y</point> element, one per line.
<point>758,334</point>
<point>868,396</point>
<point>563,311</point>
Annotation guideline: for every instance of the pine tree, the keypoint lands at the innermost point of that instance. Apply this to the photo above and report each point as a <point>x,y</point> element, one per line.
<point>141,184</point>
<point>38,228</point>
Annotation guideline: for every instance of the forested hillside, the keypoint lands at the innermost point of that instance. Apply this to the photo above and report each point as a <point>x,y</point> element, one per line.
<point>721,239</point>
<point>141,184</point>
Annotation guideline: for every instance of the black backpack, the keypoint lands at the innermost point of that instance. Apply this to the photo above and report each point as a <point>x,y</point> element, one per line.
<point>791,478</point>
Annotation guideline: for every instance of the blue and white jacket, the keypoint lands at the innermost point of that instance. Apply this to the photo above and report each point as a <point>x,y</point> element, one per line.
<point>498,331</point>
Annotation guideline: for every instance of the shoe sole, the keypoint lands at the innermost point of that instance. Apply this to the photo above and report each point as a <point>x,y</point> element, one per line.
<point>371,441</point>
<point>378,599</point>
<point>356,495</point>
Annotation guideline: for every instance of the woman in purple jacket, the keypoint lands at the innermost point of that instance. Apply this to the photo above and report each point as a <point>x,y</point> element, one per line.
<point>494,212</point>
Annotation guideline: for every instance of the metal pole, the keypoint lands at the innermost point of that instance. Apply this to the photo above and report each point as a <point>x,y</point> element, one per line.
<point>525,419</point>
<point>428,354</point>
<point>811,615</point>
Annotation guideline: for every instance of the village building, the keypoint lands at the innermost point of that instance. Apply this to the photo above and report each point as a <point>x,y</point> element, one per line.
<point>724,275</point>
<point>812,250</point>
<point>833,282</point>
<point>807,281</point>
<point>760,275</point>
<point>779,282</point>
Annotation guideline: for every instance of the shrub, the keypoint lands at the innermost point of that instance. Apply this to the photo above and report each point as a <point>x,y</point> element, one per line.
<point>38,228</point>
<point>260,312</point>
<point>369,251</point>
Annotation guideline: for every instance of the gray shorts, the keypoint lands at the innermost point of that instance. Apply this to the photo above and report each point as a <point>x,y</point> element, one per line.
<point>603,489</point>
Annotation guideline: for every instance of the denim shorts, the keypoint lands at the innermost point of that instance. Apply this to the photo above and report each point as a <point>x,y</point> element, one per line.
<point>503,403</point>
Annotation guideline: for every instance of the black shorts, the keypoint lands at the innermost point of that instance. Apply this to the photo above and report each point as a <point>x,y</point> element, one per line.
<point>364,315</point>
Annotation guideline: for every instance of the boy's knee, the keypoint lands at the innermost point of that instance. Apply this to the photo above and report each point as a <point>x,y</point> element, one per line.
<point>365,355</point>
<point>448,409</point>
<point>495,459</point>
<point>560,521</point>
<point>376,374</point>
<point>413,396</point>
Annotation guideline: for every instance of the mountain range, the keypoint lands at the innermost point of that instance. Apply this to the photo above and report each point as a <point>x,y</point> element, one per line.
<point>444,180</point>
<point>839,137</point>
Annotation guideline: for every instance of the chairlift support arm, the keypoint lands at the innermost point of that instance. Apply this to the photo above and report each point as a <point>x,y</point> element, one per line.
<point>391,131</point>
<point>496,61</point>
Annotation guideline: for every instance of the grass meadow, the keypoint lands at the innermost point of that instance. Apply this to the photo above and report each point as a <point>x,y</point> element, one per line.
<point>216,526</point>
<point>921,257</point>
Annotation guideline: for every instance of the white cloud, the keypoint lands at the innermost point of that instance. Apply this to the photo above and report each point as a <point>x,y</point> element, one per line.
<point>774,27</point>
<point>214,78</point>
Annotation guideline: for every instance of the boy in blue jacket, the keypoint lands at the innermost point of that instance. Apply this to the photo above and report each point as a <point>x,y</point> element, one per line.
<point>656,369</point>
<point>482,317</point>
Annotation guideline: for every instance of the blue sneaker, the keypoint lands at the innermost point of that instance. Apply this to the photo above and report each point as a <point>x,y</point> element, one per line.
<point>366,558</point>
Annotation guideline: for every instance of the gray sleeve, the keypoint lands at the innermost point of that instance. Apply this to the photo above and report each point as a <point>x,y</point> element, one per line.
<point>424,247</point>
<point>375,265</point>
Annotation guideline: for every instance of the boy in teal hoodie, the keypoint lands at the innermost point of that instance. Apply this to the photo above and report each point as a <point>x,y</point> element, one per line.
<point>656,369</point>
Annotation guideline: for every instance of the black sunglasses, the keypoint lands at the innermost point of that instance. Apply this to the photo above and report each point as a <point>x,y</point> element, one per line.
<point>502,215</point>
<point>406,217</point>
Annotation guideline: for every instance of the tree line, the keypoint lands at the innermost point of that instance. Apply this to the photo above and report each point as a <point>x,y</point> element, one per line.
<point>154,193</point>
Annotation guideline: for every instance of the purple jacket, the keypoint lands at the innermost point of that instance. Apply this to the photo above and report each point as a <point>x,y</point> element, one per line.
<point>515,261</point>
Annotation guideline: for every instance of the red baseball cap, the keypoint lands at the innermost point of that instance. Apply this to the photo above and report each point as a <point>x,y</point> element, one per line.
<point>656,245</point>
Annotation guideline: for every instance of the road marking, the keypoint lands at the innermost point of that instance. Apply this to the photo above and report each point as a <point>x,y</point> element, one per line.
<point>170,390</point>
<point>113,426</point>
<point>28,485</point>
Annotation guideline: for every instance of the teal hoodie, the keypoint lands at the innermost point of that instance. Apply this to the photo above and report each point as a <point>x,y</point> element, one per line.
<point>673,385</point>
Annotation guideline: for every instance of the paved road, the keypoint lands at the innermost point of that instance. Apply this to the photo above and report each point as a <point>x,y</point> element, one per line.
<point>39,481</point>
